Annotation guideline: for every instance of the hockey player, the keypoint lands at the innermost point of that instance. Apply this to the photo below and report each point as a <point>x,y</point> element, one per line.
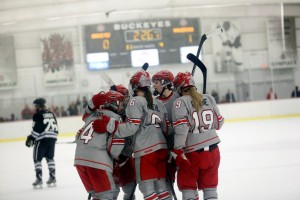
<point>196,118</point>
<point>95,152</point>
<point>95,102</point>
<point>162,84</point>
<point>145,116</point>
<point>124,166</point>
<point>43,138</point>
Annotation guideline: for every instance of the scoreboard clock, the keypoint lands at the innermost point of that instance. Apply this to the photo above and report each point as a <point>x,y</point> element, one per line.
<point>131,44</point>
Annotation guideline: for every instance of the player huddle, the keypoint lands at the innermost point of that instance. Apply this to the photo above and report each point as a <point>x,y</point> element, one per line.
<point>132,138</point>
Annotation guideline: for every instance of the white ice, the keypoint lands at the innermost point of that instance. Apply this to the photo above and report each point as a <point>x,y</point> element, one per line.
<point>260,160</point>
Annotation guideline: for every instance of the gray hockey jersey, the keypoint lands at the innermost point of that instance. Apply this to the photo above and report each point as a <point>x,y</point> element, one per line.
<point>168,103</point>
<point>195,130</point>
<point>146,125</point>
<point>94,149</point>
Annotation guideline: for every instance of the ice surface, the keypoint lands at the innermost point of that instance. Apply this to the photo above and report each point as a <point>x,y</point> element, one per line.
<point>259,160</point>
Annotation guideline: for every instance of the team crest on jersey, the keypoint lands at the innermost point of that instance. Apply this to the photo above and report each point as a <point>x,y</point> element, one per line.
<point>204,101</point>
<point>155,107</point>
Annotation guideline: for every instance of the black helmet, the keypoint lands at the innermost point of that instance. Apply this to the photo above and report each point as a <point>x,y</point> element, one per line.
<point>39,102</point>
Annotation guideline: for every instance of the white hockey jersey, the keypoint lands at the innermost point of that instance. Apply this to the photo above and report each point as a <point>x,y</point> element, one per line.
<point>168,104</point>
<point>195,130</point>
<point>145,124</point>
<point>94,149</point>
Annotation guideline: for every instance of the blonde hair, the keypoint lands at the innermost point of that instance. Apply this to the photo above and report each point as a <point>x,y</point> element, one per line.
<point>197,98</point>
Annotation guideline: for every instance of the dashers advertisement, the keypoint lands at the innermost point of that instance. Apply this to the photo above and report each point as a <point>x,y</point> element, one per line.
<point>282,43</point>
<point>57,57</point>
<point>8,67</point>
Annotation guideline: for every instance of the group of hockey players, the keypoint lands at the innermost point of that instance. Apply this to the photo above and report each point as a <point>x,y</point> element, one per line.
<point>138,138</point>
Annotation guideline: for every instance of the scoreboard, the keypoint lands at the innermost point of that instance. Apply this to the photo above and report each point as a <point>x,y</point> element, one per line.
<point>131,44</point>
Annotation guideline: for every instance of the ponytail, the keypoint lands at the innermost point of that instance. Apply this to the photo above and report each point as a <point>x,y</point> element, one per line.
<point>197,98</point>
<point>149,98</point>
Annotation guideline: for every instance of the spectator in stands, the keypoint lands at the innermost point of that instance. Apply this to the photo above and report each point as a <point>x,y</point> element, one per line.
<point>12,117</point>
<point>63,112</point>
<point>73,109</point>
<point>55,110</point>
<point>223,100</point>
<point>215,94</point>
<point>229,97</point>
<point>26,112</point>
<point>295,93</point>
<point>84,102</point>
<point>271,94</point>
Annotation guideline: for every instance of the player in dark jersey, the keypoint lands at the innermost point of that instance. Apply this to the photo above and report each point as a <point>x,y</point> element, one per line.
<point>43,137</point>
<point>196,118</point>
<point>163,89</point>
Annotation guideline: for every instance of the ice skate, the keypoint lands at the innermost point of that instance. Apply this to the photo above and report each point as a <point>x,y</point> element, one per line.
<point>38,184</point>
<point>51,182</point>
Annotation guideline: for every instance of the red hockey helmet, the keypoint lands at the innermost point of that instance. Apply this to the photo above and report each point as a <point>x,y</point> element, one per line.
<point>140,79</point>
<point>165,76</point>
<point>122,89</point>
<point>112,100</point>
<point>183,80</point>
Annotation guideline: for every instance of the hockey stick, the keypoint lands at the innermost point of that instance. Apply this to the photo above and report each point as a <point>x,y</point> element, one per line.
<point>133,191</point>
<point>171,186</point>
<point>109,81</point>
<point>202,67</point>
<point>145,67</point>
<point>71,142</point>
<point>217,31</point>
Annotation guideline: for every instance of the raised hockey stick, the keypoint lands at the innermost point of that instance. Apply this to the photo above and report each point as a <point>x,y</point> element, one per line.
<point>145,67</point>
<point>202,67</point>
<point>109,81</point>
<point>216,31</point>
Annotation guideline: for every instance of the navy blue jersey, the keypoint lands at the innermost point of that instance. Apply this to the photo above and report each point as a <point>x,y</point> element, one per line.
<point>44,125</point>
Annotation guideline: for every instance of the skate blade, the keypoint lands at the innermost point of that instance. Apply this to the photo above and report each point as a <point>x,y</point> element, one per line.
<point>38,187</point>
<point>51,185</point>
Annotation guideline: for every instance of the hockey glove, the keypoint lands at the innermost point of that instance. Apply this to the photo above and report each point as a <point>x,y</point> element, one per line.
<point>30,141</point>
<point>181,161</point>
<point>121,160</point>
<point>105,124</point>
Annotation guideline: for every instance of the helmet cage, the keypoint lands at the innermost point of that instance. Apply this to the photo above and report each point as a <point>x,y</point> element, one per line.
<point>139,80</point>
<point>165,76</point>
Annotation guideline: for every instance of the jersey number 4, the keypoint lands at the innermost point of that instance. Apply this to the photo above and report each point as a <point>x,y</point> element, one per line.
<point>87,133</point>
<point>207,117</point>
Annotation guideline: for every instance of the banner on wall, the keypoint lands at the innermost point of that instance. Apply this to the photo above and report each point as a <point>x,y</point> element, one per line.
<point>8,67</point>
<point>227,48</point>
<point>277,42</point>
<point>57,57</point>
